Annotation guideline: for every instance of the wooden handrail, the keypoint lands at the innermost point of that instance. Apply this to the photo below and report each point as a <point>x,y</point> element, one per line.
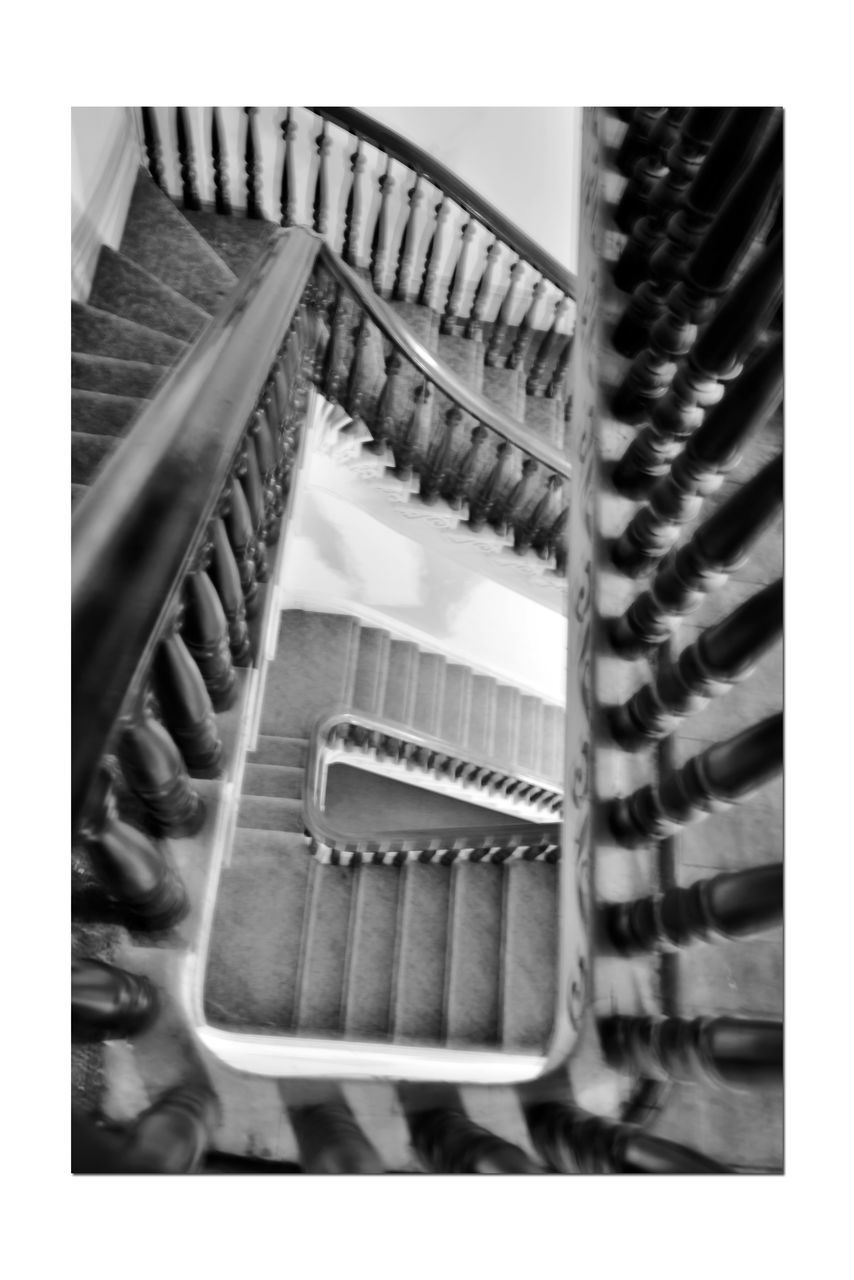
<point>136,530</point>
<point>421,162</point>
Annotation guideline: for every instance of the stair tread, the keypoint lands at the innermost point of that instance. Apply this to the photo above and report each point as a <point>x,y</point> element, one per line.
<point>284,782</point>
<point>370,967</point>
<point>125,288</point>
<point>554,720</point>
<point>325,949</point>
<point>270,749</point>
<point>420,968</point>
<point>456,702</point>
<point>88,452</point>
<point>118,377</point>
<point>238,241</point>
<point>530,732</point>
<point>251,976</point>
<point>103,414</point>
<point>160,239</point>
<point>96,332</point>
<point>399,692</point>
<point>529,954</point>
<point>475,953</point>
<point>429,689</point>
<point>480,738</point>
<point>313,668</point>
<point>371,670</point>
<point>270,813</point>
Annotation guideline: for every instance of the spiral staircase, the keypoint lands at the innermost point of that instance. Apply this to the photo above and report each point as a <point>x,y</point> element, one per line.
<point>358,886</point>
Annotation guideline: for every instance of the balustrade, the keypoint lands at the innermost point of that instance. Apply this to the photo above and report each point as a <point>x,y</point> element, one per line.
<point>446,1141</point>
<point>570,1140</point>
<point>107,1002</point>
<point>717,1051</point>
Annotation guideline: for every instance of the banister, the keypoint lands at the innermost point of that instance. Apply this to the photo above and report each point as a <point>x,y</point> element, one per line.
<point>421,162</point>
<point>387,320</point>
<point>143,517</point>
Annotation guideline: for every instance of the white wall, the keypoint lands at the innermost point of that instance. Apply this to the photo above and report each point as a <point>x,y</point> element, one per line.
<point>105,154</point>
<point>524,160</point>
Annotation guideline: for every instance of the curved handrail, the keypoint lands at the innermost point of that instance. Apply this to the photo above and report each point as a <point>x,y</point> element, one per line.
<point>387,320</point>
<point>401,149</point>
<point>143,517</point>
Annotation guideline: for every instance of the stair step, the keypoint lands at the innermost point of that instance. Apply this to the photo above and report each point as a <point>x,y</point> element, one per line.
<point>126,289</point>
<point>324,948</point>
<point>371,670</point>
<point>456,703</point>
<point>506,389</point>
<point>477,894</point>
<point>117,377</point>
<point>420,968</point>
<point>554,729</point>
<point>282,751</point>
<point>97,413</point>
<point>100,333</point>
<point>544,419</point>
<point>399,693</point>
<point>160,239</point>
<point>251,977</point>
<point>481,732</point>
<point>529,954</point>
<point>372,949</point>
<point>429,690</point>
<point>238,241</point>
<point>284,782</point>
<point>314,667</point>
<point>508,716</point>
<point>464,357</point>
<point>530,732</point>
<point>267,813</point>
<point>88,453</point>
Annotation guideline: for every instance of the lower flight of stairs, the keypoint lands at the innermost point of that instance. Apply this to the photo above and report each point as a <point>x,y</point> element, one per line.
<point>460,954</point>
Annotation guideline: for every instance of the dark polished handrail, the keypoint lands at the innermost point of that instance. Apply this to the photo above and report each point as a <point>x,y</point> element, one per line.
<point>386,319</point>
<point>421,162</point>
<point>135,532</point>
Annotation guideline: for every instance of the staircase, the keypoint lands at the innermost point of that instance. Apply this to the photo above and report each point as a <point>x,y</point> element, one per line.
<point>377,890</point>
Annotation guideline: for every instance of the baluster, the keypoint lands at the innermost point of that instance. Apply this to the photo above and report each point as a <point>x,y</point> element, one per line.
<point>406,257</point>
<point>712,452</point>
<point>330,1140</point>
<point>526,328</point>
<point>557,382</point>
<point>225,577</point>
<point>186,707</point>
<point>474,328</point>
<point>461,481</point>
<point>711,781</point>
<point>337,351</point>
<point>735,904</point>
<point>363,390</point>
<point>699,383</point>
<point>263,436</point>
<point>133,871</point>
<point>433,256</point>
<point>205,633</point>
<point>545,352</point>
<point>287,190</point>
<point>663,251</point>
<point>353,212</point>
<point>549,536</point>
<point>253,167</point>
<point>321,197</point>
<point>171,1136</point>
<point>383,422</point>
<point>379,242</point>
<point>570,1140</point>
<point>153,147</point>
<point>540,518</point>
<point>222,203</point>
<point>708,276</point>
<point>450,324</point>
<point>702,564</point>
<point>155,773</point>
<point>716,1051</point>
<point>238,523</point>
<point>410,448</point>
<point>446,1141</point>
<point>246,469</point>
<point>107,1002</point>
<point>441,457</point>
<point>636,138</point>
<point>645,173</point>
<point>497,486</point>
<point>725,654</point>
<point>187,160</point>
<point>499,327</point>
<point>522,498</point>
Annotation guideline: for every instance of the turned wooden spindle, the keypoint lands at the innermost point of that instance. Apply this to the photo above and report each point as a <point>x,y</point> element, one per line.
<point>724,655</point>
<point>186,707</point>
<point>248,473</point>
<point>134,871</point>
<point>406,257</point>
<point>656,255</point>
<point>720,545</point>
<point>708,275</point>
<point>446,1141</point>
<point>494,351</point>
<point>225,576</point>
<point>550,539</point>
<point>451,324</point>
<point>222,202</point>
<point>483,289</point>
<point>712,452</point>
<point>265,440</point>
<point>735,904</point>
<point>362,394</point>
<point>536,524</point>
<point>716,1051</point>
<point>461,482</point>
<point>525,332</point>
<point>155,772</point>
<point>489,497</point>
<point>646,172</point>
<point>238,524</point>
<point>335,365</point>
<point>205,633</point>
<point>186,159</point>
<point>536,383</point>
<point>320,203</point>
<point>411,445</point>
<point>716,359</point>
<point>521,500</point>
<point>718,777</point>
<point>382,230</point>
<point>570,1140</point>
<point>433,256</point>
<point>172,1135</point>
<point>635,141</point>
<point>288,188</point>
<point>383,421</point>
<point>108,1002</point>
<point>557,382</point>
<point>252,166</point>
<point>330,1140</point>
<point>353,210</point>
<point>153,148</point>
<point>441,457</point>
